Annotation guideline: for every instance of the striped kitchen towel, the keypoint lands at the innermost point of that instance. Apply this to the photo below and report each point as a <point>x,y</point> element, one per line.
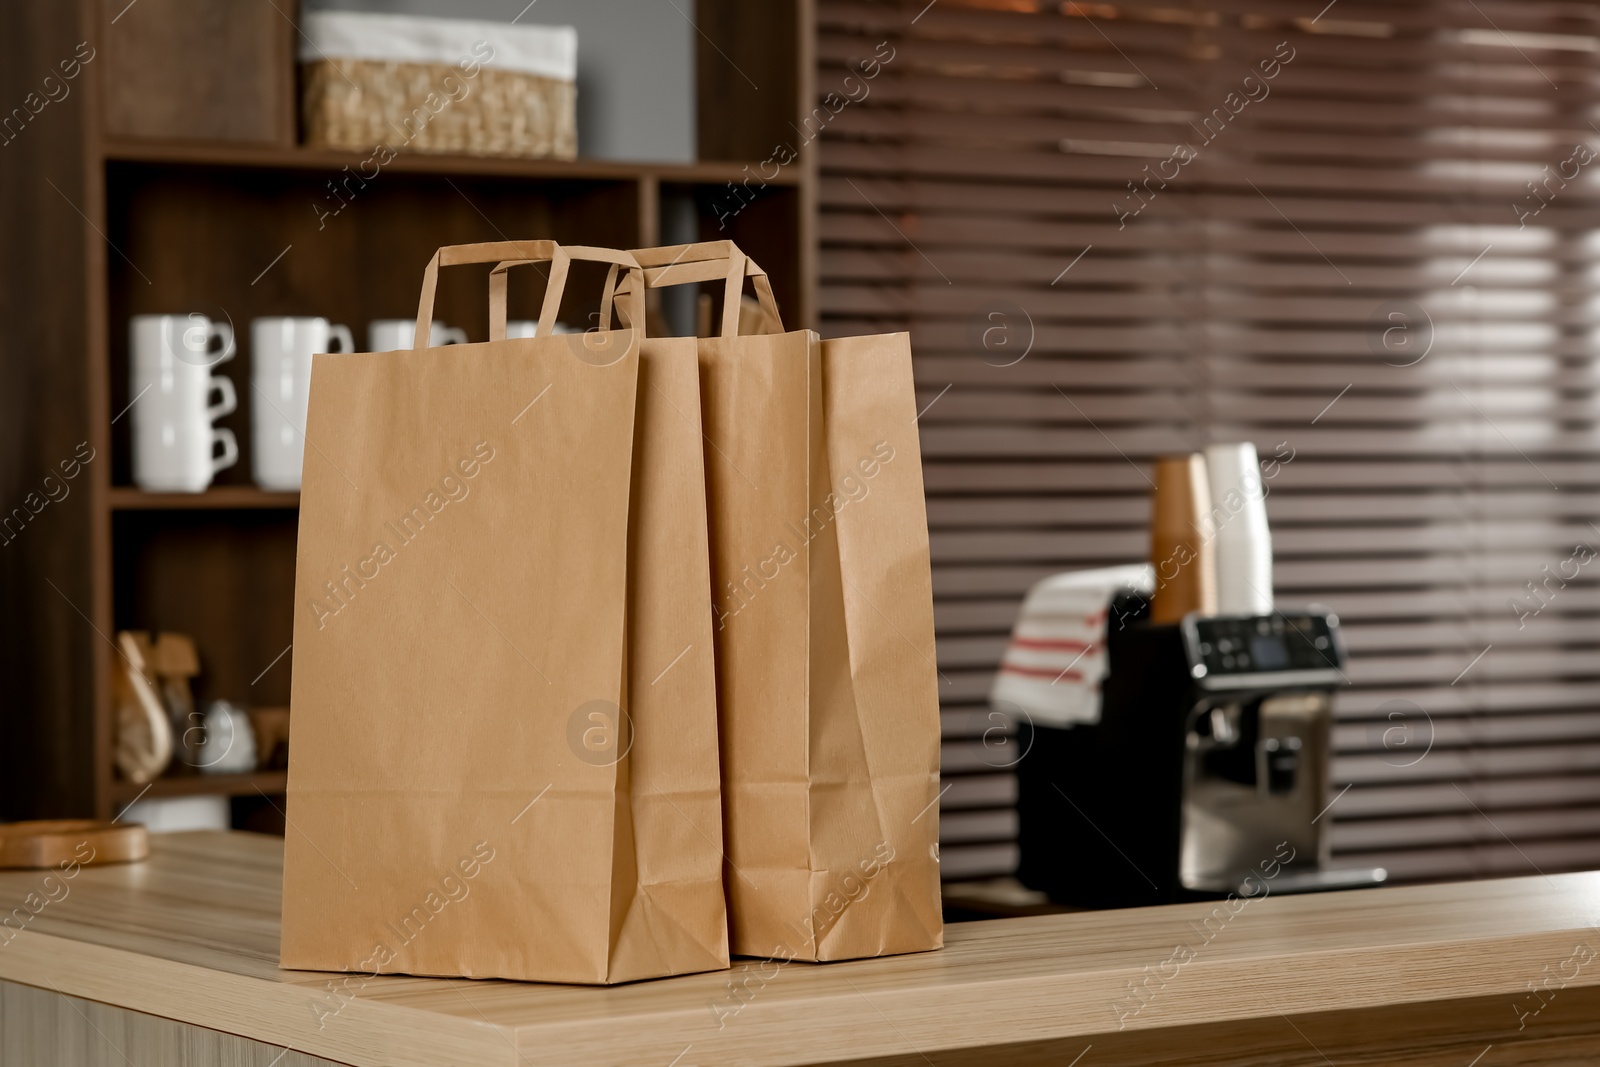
<point>1055,663</point>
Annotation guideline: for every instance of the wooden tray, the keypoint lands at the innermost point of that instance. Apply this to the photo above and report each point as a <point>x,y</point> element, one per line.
<point>57,842</point>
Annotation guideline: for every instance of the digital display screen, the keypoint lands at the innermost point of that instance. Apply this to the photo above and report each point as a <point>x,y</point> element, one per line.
<point>1269,652</point>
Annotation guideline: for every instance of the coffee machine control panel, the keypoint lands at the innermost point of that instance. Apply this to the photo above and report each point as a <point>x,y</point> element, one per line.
<point>1277,649</point>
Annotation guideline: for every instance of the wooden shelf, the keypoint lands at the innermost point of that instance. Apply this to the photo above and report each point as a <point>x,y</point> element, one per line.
<point>222,154</point>
<point>271,783</point>
<point>125,498</point>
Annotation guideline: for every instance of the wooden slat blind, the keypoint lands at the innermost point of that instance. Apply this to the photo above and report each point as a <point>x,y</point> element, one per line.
<point>1380,265</point>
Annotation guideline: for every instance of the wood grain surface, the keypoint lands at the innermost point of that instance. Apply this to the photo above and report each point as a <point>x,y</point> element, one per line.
<point>190,70</point>
<point>1416,975</point>
<point>57,668</point>
<point>41,1026</point>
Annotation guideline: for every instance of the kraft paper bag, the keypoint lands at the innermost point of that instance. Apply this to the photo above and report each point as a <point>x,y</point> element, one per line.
<point>505,757</point>
<point>823,605</point>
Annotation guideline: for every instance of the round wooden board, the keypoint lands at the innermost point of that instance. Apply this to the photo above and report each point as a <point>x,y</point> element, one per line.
<point>54,842</point>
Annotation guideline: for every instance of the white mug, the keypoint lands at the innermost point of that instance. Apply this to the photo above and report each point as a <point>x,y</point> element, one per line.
<point>528,327</point>
<point>281,348</point>
<point>170,361</point>
<point>392,335</point>
<point>229,742</point>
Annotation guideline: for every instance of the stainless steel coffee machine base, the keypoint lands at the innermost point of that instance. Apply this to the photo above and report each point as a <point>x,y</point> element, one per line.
<point>1309,880</point>
<point>1207,774</point>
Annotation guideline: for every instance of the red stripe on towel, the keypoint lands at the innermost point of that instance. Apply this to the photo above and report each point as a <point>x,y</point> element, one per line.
<point>1065,644</point>
<point>1040,672</point>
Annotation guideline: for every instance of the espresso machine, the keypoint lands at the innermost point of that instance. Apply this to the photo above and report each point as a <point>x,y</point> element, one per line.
<point>1206,774</point>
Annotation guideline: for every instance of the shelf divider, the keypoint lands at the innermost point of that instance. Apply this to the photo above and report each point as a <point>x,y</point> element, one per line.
<point>221,497</point>
<point>272,783</point>
<point>266,156</point>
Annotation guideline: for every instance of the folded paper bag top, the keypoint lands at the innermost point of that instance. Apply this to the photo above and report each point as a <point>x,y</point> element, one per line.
<point>505,760</point>
<point>824,628</point>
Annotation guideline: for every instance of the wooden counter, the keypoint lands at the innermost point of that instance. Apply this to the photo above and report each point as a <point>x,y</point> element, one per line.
<point>174,961</point>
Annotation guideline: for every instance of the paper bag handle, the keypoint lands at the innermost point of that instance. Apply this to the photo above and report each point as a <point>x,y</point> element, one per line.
<point>632,312</point>
<point>507,254</point>
<point>492,252</point>
<point>705,261</point>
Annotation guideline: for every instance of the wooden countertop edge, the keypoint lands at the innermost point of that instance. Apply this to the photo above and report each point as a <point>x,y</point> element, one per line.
<point>860,1023</point>
<point>856,1022</point>
<point>365,1032</point>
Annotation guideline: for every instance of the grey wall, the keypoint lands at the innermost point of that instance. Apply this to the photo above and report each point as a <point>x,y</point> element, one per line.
<point>635,65</point>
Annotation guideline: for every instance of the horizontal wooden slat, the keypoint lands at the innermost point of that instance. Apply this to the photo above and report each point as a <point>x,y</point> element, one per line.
<point>1446,733</point>
<point>941,162</point>
<point>1045,21</point>
<point>1516,644</point>
<point>1471,828</point>
<point>1487,692</point>
<point>1492,516</point>
<point>1495,796</point>
<point>1462,607</point>
<point>1486,860</point>
<point>1295,581</point>
<point>1520,553</point>
<point>972,826</point>
<point>1117,473</point>
<point>978,791</point>
<point>1452,765</point>
<point>976,861</point>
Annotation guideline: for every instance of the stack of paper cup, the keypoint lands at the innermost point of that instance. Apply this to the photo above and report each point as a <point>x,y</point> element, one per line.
<point>1243,546</point>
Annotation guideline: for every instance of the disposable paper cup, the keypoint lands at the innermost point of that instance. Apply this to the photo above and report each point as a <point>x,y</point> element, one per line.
<point>1243,538</point>
<point>1180,540</point>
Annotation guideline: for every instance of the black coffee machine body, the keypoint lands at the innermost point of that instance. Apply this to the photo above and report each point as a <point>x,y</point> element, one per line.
<point>1207,773</point>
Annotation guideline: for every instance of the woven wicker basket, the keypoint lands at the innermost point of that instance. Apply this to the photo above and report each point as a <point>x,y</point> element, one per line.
<point>438,85</point>
<point>362,103</point>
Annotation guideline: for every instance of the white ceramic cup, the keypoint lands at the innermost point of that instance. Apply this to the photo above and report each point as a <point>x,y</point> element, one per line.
<point>170,381</point>
<point>229,745</point>
<point>528,327</point>
<point>281,348</point>
<point>392,335</point>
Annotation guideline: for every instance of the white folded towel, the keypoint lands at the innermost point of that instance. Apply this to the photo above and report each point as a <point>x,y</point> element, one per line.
<point>1055,663</point>
<point>548,51</point>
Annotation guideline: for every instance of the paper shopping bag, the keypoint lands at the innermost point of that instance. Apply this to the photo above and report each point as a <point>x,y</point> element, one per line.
<point>505,753</point>
<point>824,629</point>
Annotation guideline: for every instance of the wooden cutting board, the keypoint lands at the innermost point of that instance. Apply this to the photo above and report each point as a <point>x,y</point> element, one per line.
<point>58,842</point>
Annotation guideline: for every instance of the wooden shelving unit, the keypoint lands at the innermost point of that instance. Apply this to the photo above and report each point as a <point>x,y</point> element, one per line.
<point>333,162</point>
<point>230,785</point>
<point>126,498</point>
<point>171,180</point>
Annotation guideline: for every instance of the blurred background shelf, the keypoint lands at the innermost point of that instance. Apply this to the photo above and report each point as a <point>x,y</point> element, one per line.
<point>333,161</point>
<point>271,783</point>
<point>127,498</point>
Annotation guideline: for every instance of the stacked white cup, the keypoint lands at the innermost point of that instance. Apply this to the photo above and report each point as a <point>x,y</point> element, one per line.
<point>1239,522</point>
<point>281,348</point>
<point>529,327</point>
<point>395,335</point>
<point>174,441</point>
